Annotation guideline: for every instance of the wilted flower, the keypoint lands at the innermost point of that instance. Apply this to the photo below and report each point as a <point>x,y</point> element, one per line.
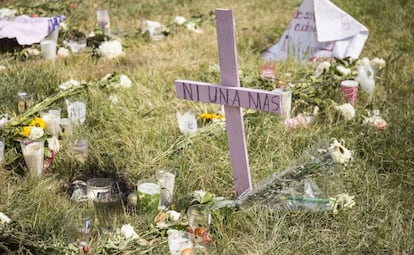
<point>68,84</point>
<point>124,81</point>
<point>179,20</point>
<point>173,215</point>
<point>363,61</point>
<point>340,202</point>
<point>36,133</point>
<point>110,49</point>
<point>193,27</point>
<point>63,52</point>
<point>33,52</point>
<point>299,120</point>
<point>343,70</point>
<point>155,29</point>
<point>114,99</point>
<point>375,120</point>
<point>321,68</point>
<point>339,153</point>
<point>347,110</point>
<point>4,218</point>
<point>129,232</point>
<point>63,26</point>
<point>377,63</point>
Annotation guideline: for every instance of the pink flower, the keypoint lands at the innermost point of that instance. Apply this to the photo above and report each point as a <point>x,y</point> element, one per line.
<point>63,52</point>
<point>380,123</point>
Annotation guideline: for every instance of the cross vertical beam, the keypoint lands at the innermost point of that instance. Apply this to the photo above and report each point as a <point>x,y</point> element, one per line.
<point>226,39</point>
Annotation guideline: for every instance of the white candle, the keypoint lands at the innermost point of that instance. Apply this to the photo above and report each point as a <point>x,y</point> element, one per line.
<point>33,154</point>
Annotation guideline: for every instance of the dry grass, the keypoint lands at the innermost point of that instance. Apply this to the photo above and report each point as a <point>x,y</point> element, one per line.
<point>126,138</point>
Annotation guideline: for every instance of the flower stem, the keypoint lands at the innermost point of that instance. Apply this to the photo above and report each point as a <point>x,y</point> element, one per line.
<point>309,199</point>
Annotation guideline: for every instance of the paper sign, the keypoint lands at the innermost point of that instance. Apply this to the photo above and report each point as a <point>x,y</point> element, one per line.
<point>320,29</point>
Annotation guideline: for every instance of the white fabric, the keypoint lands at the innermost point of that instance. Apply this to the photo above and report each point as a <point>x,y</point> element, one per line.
<point>320,29</point>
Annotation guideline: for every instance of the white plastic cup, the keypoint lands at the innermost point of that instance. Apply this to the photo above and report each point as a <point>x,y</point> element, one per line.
<point>48,48</point>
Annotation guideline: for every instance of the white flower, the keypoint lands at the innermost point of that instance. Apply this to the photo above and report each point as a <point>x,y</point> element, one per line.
<point>63,52</point>
<point>377,63</point>
<point>193,27</point>
<point>343,70</point>
<point>68,84</point>
<point>53,144</point>
<point>63,26</point>
<point>173,215</point>
<point>124,81</point>
<point>366,78</point>
<point>129,232</point>
<point>4,218</point>
<point>36,133</point>
<point>347,110</point>
<point>321,68</point>
<point>91,34</point>
<point>340,202</point>
<point>179,20</point>
<point>187,122</point>
<point>114,99</point>
<point>199,194</point>
<point>33,52</point>
<point>363,61</point>
<point>3,120</point>
<point>339,153</point>
<point>2,68</point>
<point>375,120</point>
<point>155,29</point>
<point>110,49</point>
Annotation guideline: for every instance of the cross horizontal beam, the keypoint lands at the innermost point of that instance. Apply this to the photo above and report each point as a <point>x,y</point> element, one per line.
<point>257,99</point>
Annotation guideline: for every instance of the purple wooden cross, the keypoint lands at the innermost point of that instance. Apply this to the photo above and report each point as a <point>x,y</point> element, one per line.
<point>233,97</point>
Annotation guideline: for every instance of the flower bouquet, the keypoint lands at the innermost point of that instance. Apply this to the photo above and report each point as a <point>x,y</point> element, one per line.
<point>295,189</point>
<point>28,126</point>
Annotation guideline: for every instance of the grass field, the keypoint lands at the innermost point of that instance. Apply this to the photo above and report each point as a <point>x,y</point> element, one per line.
<point>129,140</point>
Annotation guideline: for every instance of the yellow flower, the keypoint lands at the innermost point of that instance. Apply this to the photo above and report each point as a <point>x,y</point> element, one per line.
<point>211,116</point>
<point>25,131</point>
<point>218,116</point>
<point>37,122</point>
<point>206,116</point>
